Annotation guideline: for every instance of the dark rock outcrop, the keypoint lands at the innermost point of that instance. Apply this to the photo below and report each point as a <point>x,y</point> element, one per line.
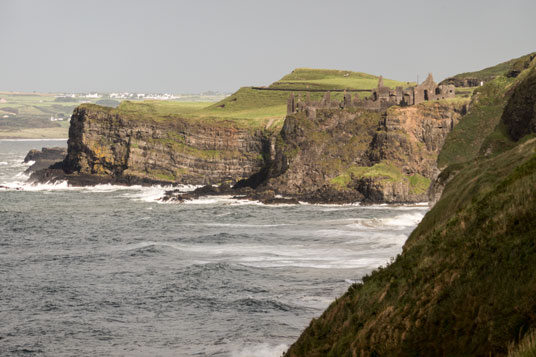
<point>44,158</point>
<point>519,115</point>
<point>266,196</point>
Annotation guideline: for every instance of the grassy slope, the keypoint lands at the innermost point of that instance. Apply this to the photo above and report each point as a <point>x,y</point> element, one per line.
<point>466,281</point>
<point>324,79</point>
<point>501,69</point>
<point>387,171</point>
<point>525,348</point>
<point>480,129</point>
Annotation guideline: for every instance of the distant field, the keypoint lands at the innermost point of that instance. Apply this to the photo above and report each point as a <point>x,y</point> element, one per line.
<point>35,133</point>
<point>28,115</point>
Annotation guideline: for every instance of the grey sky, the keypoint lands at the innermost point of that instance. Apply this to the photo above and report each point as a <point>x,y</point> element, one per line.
<point>193,46</point>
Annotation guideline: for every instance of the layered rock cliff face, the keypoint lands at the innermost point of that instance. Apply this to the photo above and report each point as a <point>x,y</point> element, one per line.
<point>132,149</point>
<point>340,155</point>
<point>362,155</point>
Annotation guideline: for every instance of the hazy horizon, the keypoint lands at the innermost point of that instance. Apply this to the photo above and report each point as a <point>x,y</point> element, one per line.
<point>193,47</point>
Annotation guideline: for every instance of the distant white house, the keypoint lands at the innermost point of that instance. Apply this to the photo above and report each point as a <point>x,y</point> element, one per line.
<point>124,95</point>
<point>158,96</point>
<point>93,95</point>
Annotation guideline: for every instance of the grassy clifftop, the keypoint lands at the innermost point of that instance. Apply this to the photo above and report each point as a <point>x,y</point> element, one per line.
<point>326,79</point>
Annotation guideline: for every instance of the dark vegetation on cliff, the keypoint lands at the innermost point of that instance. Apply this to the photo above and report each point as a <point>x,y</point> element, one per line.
<point>481,131</point>
<point>466,280</point>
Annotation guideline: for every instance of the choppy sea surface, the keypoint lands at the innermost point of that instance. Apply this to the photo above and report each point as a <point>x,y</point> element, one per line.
<point>109,271</point>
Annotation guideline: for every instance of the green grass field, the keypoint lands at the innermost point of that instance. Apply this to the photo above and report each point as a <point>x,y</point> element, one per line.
<point>326,79</point>
<point>35,133</point>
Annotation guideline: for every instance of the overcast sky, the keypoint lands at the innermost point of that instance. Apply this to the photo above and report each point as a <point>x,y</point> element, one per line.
<point>193,46</point>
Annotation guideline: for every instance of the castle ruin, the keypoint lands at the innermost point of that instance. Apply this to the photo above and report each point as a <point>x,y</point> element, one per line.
<point>380,98</point>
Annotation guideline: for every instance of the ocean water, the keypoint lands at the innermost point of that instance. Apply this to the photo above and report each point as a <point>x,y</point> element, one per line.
<point>109,271</point>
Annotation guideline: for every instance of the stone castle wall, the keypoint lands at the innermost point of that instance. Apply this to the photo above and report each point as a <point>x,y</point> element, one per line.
<point>381,98</point>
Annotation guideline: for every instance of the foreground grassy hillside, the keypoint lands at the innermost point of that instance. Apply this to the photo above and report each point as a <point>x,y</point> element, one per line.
<point>466,280</point>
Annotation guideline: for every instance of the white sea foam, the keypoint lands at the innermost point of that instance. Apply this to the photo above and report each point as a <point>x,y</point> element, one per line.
<point>317,302</point>
<point>336,205</point>
<point>350,281</point>
<point>401,207</point>
<point>319,256</point>
<point>3,163</point>
<point>221,200</point>
<point>147,194</point>
<point>261,350</point>
<point>409,219</point>
<point>137,192</point>
<point>243,225</point>
<point>398,222</point>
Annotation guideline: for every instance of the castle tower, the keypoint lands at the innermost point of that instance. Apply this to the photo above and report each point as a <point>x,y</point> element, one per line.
<point>347,99</point>
<point>429,80</point>
<point>380,82</point>
<point>326,101</point>
<point>291,105</point>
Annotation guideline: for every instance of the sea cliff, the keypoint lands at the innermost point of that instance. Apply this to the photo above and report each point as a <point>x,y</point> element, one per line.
<point>133,147</point>
<point>340,155</point>
<point>465,281</point>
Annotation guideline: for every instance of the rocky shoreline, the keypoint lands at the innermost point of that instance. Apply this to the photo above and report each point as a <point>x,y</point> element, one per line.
<point>48,168</point>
